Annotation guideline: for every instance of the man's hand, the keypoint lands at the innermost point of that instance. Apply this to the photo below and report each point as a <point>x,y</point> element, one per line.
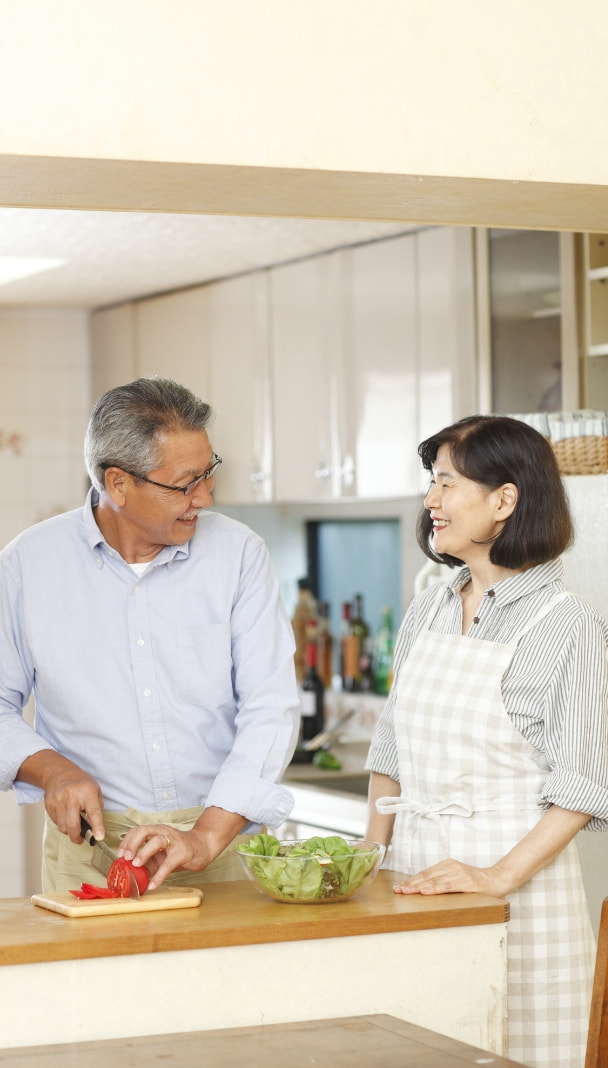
<point>164,849</point>
<point>68,791</point>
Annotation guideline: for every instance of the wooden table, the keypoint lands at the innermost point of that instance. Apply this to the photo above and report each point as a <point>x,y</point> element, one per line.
<point>242,959</point>
<point>354,1042</point>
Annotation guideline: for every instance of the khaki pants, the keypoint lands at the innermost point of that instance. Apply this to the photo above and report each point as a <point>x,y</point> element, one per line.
<point>66,865</point>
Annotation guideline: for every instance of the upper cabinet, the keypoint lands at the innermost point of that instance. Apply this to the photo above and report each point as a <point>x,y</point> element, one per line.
<point>379,395</point>
<point>324,374</point>
<point>170,338</point>
<point>237,356</point>
<point>307,336</point>
<point>373,347</point>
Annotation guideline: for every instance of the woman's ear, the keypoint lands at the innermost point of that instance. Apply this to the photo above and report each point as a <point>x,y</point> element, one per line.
<point>509,495</point>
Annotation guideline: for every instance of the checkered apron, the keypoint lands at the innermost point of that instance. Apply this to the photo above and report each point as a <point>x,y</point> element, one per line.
<point>471,788</point>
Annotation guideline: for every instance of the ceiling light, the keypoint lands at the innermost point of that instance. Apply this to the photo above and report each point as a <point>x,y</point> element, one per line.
<point>12,268</point>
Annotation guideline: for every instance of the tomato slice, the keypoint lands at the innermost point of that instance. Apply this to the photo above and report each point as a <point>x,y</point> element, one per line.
<point>119,877</point>
<point>88,892</point>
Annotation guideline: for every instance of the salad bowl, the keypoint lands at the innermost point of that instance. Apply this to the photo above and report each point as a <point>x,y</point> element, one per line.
<point>312,871</point>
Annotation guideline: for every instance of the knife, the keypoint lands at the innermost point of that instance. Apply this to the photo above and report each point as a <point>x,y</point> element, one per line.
<point>103,857</point>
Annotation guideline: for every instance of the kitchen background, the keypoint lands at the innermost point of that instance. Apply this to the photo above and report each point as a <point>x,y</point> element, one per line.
<point>328,351</point>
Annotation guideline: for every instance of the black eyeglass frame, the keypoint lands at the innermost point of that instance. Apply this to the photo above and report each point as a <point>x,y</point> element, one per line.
<point>188,488</point>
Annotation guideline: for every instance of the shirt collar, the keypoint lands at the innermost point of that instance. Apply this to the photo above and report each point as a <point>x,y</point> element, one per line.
<point>97,541</point>
<point>520,585</point>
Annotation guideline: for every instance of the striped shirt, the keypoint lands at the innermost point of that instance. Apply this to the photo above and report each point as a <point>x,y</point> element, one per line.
<point>555,689</point>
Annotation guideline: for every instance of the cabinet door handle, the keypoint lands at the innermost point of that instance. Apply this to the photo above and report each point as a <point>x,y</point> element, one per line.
<point>323,473</point>
<point>348,470</point>
<point>258,476</point>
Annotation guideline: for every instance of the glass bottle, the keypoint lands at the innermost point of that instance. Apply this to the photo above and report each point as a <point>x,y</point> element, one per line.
<point>383,653</point>
<point>304,623</point>
<point>360,631</point>
<point>366,666</point>
<point>348,650</point>
<point>325,645</point>
<point>312,696</point>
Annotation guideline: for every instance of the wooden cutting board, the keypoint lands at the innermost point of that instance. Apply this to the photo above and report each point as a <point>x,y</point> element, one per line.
<point>175,897</point>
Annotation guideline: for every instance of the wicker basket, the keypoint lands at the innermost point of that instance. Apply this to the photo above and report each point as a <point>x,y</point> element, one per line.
<point>579,439</point>
<point>587,455</point>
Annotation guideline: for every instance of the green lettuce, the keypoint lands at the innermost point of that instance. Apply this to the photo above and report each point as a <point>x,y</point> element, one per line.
<point>315,870</point>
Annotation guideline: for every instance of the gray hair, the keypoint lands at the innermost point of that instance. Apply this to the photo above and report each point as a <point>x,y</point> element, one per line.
<point>127,421</point>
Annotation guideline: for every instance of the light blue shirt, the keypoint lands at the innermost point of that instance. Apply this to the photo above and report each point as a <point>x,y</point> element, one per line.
<point>173,689</point>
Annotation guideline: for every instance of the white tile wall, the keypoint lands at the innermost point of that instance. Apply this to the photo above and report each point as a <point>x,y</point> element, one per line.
<point>44,407</point>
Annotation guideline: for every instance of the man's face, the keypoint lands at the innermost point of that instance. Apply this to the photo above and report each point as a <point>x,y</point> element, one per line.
<point>155,517</point>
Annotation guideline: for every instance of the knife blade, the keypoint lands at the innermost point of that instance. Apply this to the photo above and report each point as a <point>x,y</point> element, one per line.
<point>102,856</point>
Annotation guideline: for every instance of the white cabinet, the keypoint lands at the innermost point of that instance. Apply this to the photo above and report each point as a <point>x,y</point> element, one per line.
<point>237,354</point>
<point>214,339</point>
<point>373,349</point>
<point>379,392</point>
<point>324,374</point>
<point>447,375</point>
<point>170,338</point>
<point>307,337</point>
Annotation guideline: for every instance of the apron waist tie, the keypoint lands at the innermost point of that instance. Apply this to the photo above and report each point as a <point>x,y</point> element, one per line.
<point>457,806</point>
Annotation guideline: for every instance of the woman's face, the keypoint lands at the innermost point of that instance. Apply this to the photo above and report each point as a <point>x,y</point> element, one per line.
<point>464,513</point>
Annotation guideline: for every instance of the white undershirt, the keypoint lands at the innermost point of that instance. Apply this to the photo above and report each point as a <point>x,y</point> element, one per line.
<point>139,568</point>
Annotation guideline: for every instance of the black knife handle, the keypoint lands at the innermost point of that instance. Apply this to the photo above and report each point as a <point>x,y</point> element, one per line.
<point>86,831</point>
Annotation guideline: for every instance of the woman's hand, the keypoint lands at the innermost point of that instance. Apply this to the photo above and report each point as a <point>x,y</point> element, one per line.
<point>538,848</point>
<point>451,877</point>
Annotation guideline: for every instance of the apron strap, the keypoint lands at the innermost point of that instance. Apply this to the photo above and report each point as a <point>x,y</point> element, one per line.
<point>564,595</point>
<point>436,601</point>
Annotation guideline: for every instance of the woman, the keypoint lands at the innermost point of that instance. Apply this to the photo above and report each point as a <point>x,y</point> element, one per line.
<point>492,750</point>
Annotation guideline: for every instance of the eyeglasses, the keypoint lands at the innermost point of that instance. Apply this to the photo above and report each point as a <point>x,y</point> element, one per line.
<point>215,463</point>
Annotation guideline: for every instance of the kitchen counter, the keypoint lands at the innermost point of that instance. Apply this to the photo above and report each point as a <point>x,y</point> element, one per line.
<point>357,1041</point>
<point>242,959</point>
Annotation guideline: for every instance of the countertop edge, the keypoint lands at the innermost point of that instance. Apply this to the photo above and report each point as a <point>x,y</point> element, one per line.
<point>232,914</point>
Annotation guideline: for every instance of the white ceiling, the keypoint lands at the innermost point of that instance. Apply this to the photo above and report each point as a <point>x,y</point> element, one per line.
<point>118,256</point>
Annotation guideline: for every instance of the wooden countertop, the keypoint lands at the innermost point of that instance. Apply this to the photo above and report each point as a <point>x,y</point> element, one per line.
<point>232,914</point>
<point>348,1042</point>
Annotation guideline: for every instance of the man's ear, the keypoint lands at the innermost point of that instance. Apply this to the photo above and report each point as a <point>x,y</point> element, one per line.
<point>116,484</point>
<point>509,495</point>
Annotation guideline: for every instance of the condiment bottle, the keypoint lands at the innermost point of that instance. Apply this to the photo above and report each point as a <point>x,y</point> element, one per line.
<point>325,645</point>
<point>304,621</point>
<point>312,696</point>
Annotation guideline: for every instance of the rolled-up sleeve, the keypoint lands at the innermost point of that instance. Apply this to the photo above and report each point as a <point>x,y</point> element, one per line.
<point>383,756</point>
<point>576,723</point>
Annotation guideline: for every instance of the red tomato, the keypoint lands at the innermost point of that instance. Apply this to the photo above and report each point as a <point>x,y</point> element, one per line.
<point>119,877</point>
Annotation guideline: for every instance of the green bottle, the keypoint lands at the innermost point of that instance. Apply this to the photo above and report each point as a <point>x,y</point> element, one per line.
<point>383,653</point>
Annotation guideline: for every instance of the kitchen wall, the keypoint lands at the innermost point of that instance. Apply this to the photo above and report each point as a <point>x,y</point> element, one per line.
<point>44,407</point>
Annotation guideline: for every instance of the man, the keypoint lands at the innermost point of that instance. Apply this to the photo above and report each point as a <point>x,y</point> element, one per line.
<point>153,636</point>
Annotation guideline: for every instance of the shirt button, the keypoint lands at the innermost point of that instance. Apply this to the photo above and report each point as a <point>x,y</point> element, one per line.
<point>491,593</point>
<point>136,589</point>
<point>140,641</point>
<point>476,619</point>
<point>147,693</point>
<point>156,746</point>
<point>165,795</point>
